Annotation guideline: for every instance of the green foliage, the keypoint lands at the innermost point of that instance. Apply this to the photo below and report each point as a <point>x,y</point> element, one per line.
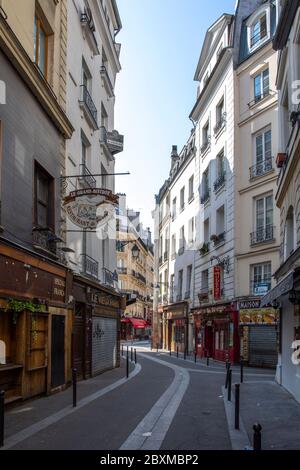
<point>18,306</point>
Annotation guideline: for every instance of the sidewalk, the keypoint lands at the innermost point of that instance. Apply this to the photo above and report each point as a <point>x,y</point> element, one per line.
<point>275,410</point>
<point>32,411</point>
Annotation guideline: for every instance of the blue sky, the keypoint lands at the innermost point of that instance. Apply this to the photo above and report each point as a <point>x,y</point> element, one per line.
<point>155,92</point>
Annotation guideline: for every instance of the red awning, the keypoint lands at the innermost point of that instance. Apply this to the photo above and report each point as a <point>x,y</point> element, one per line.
<point>138,323</point>
<point>125,320</point>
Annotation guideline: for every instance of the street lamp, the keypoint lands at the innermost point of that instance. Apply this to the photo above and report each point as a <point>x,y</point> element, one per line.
<point>135,251</point>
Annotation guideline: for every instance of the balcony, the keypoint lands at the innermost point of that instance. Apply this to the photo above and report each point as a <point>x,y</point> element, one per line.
<point>122,270</point>
<point>261,168</point>
<point>262,235</point>
<point>89,266</point>
<point>87,180</point>
<point>45,239</point>
<point>218,239</point>
<point>88,26</point>
<point>205,146</point>
<point>220,181</point>
<point>88,106</point>
<point>109,278</point>
<point>257,99</point>
<point>138,276</point>
<point>205,197</point>
<point>107,82</point>
<point>112,141</point>
<point>203,295</point>
<point>220,124</point>
<point>204,250</point>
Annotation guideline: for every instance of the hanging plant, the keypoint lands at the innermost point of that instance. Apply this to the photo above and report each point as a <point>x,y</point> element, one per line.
<point>18,306</point>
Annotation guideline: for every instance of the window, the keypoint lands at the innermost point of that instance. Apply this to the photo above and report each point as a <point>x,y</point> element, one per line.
<point>174,208</point>
<point>206,230</point>
<point>44,198</point>
<point>289,233</point>
<point>263,154</point>
<point>263,220</point>
<point>220,167</point>
<point>173,246</point>
<point>172,286</point>
<point>181,241</point>
<point>261,85</point>
<point>180,285</point>
<point>259,30</point>
<point>220,221</point>
<point>104,116</point>
<point>204,281</point>
<point>205,187</point>
<point>182,198</point>
<point>191,230</point>
<point>40,46</point>
<point>188,281</point>
<point>191,188</point>
<point>261,278</point>
<point>220,114</point>
<point>205,137</point>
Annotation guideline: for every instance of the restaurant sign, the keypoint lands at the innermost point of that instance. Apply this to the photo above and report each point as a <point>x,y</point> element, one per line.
<point>217,282</point>
<point>261,316</point>
<point>91,207</point>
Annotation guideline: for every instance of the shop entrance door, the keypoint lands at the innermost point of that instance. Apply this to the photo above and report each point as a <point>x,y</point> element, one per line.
<point>57,351</point>
<point>209,343</point>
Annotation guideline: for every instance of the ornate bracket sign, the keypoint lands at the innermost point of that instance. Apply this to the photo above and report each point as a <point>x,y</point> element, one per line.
<point>91,207</point>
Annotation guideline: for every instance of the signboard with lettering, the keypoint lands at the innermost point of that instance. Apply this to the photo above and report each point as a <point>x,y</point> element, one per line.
<point>266,316</point>
<point>217,282</point>
<point>261,288</point>
<point>91,207</point>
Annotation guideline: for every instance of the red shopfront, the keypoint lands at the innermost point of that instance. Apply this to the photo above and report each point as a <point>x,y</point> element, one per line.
<point>216,332</point>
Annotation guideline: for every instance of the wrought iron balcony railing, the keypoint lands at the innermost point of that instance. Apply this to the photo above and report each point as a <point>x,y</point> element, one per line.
<point>259,98</point>
<point>87,178</point>
<point>88,103</point>
<point>261,168</point>
<point>205,196</point>
<point>219,239</point>
<point>220,124</point>
<point>112,140</point>
<point>205,146</point>
<point>122,270</point>
<point>263,235</point>
<point>109,277</point>
<point>89,266</point>
<point>204,250</point>
<point>45,238</point>
<point>220,181</point>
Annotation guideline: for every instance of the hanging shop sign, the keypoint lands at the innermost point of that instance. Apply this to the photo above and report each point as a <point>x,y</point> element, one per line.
<point>261,288</point>
<point>217,282</point>
<point>90,208</point>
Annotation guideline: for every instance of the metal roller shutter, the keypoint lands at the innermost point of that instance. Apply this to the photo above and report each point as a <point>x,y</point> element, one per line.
<point>104,344</point>
<point>262,346</point>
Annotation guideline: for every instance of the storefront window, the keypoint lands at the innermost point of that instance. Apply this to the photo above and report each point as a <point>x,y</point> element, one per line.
<point>231,335</point>
<point>222,340</point>
<point>217,340</point>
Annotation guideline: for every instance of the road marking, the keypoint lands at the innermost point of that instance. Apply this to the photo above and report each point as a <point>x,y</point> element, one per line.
<point>151,431</point>
<point>20,436</point>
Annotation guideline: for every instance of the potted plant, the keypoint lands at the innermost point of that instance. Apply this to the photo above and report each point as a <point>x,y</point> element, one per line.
<point>280,159</point>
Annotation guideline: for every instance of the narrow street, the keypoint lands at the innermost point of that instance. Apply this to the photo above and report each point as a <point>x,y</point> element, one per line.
<point>167,403</point>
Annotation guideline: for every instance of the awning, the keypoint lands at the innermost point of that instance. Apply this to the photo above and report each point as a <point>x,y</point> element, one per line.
<point>282,288</point>
<point>125,320</point>
<point>138,323</point>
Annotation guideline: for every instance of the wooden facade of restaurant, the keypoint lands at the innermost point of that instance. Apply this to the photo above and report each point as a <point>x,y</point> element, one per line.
<point>35,324</point>
<point>96,327</point>
<point>217,333</point>
<point>176,327</point>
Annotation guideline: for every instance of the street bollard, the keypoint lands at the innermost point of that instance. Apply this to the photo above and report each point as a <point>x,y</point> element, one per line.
<point>184,354</point>
<point>151,345</point>
<point>135,356</point>
<point>237,407</point>
<point>242,369</point>
<point>127,363</point>
<point>207,360</point>
<point>2,396</point>
<point>229,385</point>
<point>74,381</point>
<point>131,354</point>
<point>177,351</point>
<point>257,437</point>
<point>227,376</point>
<point>122,350</point>
<point>195,357</point>
<point>227,364</point>
<point>170,352</point>
<point>156,347</point>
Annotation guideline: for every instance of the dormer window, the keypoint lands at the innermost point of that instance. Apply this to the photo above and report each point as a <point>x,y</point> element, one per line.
<point>259,30</point>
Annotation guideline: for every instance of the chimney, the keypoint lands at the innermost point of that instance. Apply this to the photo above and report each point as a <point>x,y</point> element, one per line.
<point>174,155</point>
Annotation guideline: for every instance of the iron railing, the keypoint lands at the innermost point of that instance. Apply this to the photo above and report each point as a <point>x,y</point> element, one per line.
<point>204,250</point>
<point>219,239</point>
<point>205,196</point>
<point>87,100</point>
<point>109,277</point>
<point>45,238</point>
<point>262,235</point>
<point>220,124</point>
<point>122,270</point>
<point>261,168</point>
<point>206,144</point>
<point>87,178</point>
<point>89,266</point>
<point>220,181</point>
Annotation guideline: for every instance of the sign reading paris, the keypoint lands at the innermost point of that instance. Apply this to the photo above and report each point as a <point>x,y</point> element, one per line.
<point>87,208</point>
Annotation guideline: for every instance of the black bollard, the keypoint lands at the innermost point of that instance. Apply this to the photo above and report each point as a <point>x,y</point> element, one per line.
<point>2,396</point>
<point>122,350</point>
<point>229,385</point>
<point>127,363</point>
<point>135,356</point>
<point>195,357</point>
<point>227,376</point>
<point>131,354</point>
<point>207,360</point>
<point>237,407</point>
<point>177,351</point>
<point>184,354</point>
<point>257,437</point>
<point>156,347</point>
<point>74,381</point>
<point>151,345</point>
<point>242,369</point>
<point>170,352</point>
